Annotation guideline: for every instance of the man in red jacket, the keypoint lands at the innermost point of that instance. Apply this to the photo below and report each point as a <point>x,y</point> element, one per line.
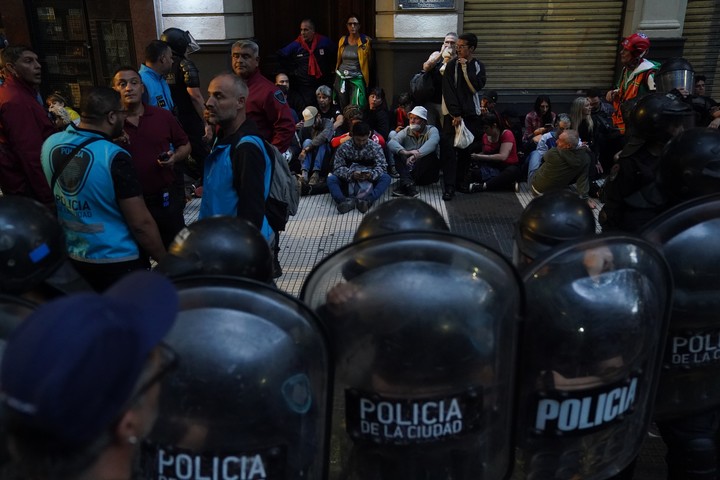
<point>24,126</point>
<point>265,104</point>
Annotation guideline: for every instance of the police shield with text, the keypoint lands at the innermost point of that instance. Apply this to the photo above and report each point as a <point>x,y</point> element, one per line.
<point>423,337</point>
<point>249,400</point>
<point>687,407</point>
<point>589,357</point>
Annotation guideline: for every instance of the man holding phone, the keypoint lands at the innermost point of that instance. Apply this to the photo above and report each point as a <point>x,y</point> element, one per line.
<point>157,143</point>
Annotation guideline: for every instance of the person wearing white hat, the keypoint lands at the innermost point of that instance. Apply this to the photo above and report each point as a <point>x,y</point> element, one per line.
<point>415,151</point>
<point>315,136</point>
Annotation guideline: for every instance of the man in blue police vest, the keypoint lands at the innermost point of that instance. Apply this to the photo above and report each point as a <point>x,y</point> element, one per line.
<point>158,63</point>
<point>97,194</point>
<point>238,170</point>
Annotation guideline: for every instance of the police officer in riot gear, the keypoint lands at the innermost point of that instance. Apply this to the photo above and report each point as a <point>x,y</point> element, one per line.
<point>687,409</point>
<point>249,399</point>
<point>628,192</point>
<point>421,332</point>
<point>549,220</point>
<point>184,83</point>
<point>226,246</point>
<point>597,312</point>
<point>33,255</point>
<point>690,166</point>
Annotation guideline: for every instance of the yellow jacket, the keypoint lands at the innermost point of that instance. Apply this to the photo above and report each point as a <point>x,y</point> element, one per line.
<point>364,55</point>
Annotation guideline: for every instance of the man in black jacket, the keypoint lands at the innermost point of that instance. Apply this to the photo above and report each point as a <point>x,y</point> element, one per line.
<point>464,77</point>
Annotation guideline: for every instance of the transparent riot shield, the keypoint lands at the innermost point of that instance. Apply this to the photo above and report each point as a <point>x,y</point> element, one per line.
<point>422,328</point>
<point>688,237</point>
<point>249,398</point>
<point>590,351</point>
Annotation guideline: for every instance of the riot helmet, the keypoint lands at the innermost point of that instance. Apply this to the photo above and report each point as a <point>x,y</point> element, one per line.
<point>690,165</point>
<point>181,41</point>
<point>400,214</point>
<point>221,245</point>
<point>675,73</point>
<point>660,116</point>
<point>32,244</point>
<point>637,44</point>
<point>548,220</point>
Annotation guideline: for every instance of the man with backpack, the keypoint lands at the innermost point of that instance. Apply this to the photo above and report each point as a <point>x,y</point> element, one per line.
<point>238,173</point>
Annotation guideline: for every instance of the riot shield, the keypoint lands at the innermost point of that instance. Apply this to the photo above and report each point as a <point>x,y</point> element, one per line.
<point>249,398</point>
<point>13,310</point>
<point>688,237</point>
<point>422,329</point>
<point>590,347</point>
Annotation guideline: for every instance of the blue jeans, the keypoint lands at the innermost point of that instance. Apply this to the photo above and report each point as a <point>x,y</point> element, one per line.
<point>534,160</point>
<point>314,158</point>
<point>338,188</point>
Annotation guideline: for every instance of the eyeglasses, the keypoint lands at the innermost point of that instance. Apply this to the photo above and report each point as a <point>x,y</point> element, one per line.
<point>353,24</point>
<point>169,360</point>
<point>461,46</point>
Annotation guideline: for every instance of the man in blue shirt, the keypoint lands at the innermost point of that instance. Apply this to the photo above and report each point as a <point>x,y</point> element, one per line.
<point>158,63</point>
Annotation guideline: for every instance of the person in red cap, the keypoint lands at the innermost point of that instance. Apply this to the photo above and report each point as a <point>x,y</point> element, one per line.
<point>636,77</point>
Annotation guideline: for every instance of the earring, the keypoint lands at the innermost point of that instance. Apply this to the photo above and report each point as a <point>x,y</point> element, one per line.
<point>132,440</point>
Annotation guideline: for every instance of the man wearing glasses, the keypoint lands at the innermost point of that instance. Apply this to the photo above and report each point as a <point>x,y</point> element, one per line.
<point>97,194</point>
<point>463,79</point>
<point>81,380</point>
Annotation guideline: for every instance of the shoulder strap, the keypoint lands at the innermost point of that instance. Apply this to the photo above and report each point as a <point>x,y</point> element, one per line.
<point>66,159</point>
<point>467,80</point>
<point>267,153</point>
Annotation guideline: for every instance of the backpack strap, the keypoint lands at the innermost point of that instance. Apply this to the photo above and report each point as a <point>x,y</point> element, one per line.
<point>269,159</point>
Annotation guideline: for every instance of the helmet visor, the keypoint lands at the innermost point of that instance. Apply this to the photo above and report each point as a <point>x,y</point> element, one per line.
<point>192,44</point>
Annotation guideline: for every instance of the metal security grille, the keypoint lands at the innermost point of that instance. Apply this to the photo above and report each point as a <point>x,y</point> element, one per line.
<point>702,31</point>
<point>544,45</point>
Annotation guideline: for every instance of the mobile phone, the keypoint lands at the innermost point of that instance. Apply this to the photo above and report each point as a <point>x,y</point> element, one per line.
<point>163,157</point>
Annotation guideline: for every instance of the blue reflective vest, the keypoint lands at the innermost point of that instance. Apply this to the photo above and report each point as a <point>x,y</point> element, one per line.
<point>157,91</point>
<point>219,194</point>
<point>95,228</point>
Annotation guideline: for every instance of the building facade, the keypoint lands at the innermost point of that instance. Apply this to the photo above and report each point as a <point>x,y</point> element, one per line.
<point>529,47</point>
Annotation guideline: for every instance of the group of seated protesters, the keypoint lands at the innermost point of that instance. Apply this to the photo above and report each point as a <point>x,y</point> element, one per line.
<point>544,148</point>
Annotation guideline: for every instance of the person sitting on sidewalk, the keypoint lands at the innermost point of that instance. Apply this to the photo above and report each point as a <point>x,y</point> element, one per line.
<point>359,174</point>
<point>315,136</point>
<point>415,151</point>
<point>563,166</point>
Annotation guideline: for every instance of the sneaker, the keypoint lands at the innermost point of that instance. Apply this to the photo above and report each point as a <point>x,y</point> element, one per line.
<point>305,175</point>
<point>363,206</point>
<point>314,179</point>
<point>412,192</point>
<point>476,188</point>
<point>392,171</point>
<point>400,189</point>
<point>345,206</point>
<point>448,194</point>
